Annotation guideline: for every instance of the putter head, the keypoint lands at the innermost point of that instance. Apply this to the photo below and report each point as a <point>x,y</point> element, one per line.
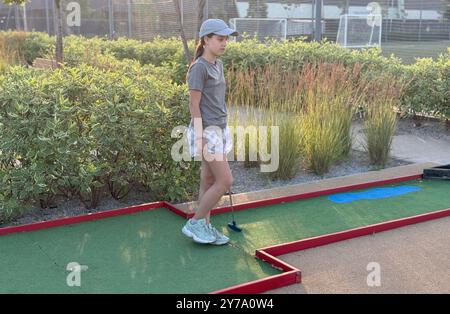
<point>234,227</point>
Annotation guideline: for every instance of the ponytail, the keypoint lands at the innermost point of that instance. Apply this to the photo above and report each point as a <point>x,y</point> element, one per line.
<point>199,50</point>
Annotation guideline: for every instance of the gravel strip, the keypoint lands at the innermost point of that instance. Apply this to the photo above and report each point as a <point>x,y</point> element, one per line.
<point>251,179</point>
<point>247,179</point>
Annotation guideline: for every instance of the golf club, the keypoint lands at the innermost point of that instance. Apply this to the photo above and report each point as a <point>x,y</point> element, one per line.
<point>232,225</point>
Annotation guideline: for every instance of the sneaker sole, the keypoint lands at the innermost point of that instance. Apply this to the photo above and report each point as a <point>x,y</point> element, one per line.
<point>189,234</point>
<point>220,243</point>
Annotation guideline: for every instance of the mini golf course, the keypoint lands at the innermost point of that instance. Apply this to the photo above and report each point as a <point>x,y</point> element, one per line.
<point>141,249</point>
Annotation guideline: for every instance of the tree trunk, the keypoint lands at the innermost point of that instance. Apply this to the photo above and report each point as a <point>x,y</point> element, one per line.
<point>59,33</point>
<point>200,15</point>
<point>183,37</point>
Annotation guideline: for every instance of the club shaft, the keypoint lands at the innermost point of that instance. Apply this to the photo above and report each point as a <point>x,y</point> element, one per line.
<point>231,204</point>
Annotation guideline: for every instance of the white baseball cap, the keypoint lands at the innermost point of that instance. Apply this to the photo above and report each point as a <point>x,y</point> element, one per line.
<point>218,27</point>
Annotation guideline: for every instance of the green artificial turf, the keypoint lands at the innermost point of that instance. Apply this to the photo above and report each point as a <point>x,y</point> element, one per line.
<point>147,253</point>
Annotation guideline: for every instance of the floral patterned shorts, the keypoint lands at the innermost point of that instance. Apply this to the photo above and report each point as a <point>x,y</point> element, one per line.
<point>219,140</point>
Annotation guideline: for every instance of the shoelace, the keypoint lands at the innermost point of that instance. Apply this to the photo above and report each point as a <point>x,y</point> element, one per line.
<point>204,227</point>
<point>214,230</point>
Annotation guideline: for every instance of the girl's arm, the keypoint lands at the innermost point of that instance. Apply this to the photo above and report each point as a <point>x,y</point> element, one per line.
<point>196,78</point>
<point>194,108</point>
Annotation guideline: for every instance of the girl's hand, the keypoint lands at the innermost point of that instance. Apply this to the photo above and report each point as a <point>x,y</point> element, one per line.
<point>199,143</point>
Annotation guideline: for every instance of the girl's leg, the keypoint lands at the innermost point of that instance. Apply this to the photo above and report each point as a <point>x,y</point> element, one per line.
<point>206,181</point>
<point>222,182</point>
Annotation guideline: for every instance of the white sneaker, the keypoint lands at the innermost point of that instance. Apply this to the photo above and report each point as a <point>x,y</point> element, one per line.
<point>221,239</point>
<point>198,231</point>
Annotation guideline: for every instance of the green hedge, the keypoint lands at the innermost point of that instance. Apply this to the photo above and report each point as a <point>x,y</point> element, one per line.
<point>28,46</point>
<point>429,78</point>
<point>429,91</point>
<point>100,124</point>
<point>84,132</point>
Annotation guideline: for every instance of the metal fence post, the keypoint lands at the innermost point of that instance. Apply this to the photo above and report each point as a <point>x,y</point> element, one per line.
<point>130,34</point>
<point>420,22</point>
<point>182,12</point>
<point>318,21</point>
<point>111,19</point>
<point>47,18</point>
<point>55,19</point>
<point>17,16</point>
<point>25,22</point>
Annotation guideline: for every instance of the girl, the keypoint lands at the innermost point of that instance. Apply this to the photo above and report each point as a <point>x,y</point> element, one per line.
<point>208,128</point>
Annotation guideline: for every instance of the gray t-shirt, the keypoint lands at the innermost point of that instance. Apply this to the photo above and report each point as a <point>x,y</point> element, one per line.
<point>210,80</point>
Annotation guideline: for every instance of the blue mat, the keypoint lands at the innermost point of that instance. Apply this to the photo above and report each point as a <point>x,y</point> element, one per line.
<point>372,194</point>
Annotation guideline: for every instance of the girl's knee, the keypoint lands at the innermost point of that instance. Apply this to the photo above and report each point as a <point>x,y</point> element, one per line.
<point>208,181</point>
<point>226,183</point>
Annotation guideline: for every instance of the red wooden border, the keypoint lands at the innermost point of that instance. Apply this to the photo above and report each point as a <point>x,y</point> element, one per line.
<point>292,275</point>
<point>305,244</point>
<point>82,218</point>
<point>290,198</point>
